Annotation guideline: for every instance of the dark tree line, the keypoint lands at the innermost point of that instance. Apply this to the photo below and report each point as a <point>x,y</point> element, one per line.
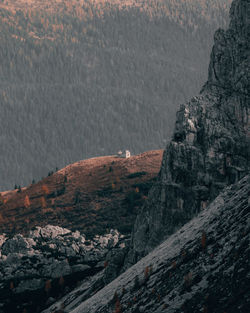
<point>77,83</point>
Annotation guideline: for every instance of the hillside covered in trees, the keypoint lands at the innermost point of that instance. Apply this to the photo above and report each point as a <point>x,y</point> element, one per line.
<point>86,78</point>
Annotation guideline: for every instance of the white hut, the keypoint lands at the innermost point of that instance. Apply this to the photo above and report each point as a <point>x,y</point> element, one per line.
<point>127,154</point>
<point>124,154</point>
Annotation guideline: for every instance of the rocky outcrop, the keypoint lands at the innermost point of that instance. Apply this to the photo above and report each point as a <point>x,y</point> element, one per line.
<point>37,269</point>
<point>210,145</point>
<point>203,267</point>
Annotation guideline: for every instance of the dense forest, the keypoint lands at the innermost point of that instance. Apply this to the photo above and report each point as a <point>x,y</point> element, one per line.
<point>87,78</point>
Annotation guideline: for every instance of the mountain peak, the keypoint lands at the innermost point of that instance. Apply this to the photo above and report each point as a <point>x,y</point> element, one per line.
<point>240,16</point>
<point>229,64</point>
<point>210,145</point>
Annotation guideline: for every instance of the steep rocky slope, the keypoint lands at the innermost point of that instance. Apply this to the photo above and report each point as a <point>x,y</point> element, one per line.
<point>210,145</point>
<point>203,267</point>
<point>88,196</point>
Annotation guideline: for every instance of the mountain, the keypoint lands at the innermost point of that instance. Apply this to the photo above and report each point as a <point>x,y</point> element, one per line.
<point>210,147</point>
<point>203,267</point>
<point>190,243</point>
<point>90,196</point>
<point>84,78</point>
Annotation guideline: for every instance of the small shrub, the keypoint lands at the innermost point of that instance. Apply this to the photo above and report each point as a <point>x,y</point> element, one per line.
<point>183,254</point>
<point>61,282</point>
<point>47,286</point>
<point>203,240</point>
<point>146,273</point>
<point>27,202</point>
<point>188,280</point>
<point>115,297</point>
<point>137,174</point>
<point>43,203</point>
<point>136,283</point>
<point>45,189</point>
<point>11,285</point>
<point>118,308</point>
<point>77,196</point>
<point>174,264</point>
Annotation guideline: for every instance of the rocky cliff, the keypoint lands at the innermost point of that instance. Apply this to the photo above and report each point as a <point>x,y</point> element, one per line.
<point>210,145</point>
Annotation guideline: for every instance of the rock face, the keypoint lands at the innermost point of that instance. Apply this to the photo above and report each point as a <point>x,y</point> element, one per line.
<point>37,269</point>
<point>210,145</point>
<point>203,267</point>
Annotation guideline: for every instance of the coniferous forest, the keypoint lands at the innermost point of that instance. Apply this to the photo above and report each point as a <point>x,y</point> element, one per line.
<point>88,78</point>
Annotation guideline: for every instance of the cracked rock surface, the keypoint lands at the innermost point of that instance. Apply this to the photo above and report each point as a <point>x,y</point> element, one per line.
<point>49,262</point>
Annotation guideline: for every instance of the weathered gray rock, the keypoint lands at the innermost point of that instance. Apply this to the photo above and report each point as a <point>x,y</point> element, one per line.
<point>49,261</point>
<point>18,244</point>
<point>48,231</point>
<point>210,148</point>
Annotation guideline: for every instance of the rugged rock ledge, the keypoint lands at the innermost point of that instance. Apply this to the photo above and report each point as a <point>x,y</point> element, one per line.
<point>210,146</point>
<point>40,268</point>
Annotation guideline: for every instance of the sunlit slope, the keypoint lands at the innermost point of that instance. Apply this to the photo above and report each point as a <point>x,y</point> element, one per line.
<point>90,195</point>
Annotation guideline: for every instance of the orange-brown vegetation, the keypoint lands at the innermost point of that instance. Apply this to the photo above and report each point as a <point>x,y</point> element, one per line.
<point>45,189</point>
<point>203,240</point>
<point>146,272</point>
<point>47,285</point>
<point>174,264</point>
<point>11,285</point>
<point>61,281</point>
<point>73,199</point>
<point>27,202</point>
<point>118,308</point>
<point>43,202</point>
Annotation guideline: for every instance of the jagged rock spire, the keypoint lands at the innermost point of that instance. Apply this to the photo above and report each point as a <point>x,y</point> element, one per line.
<point>210,145</point>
